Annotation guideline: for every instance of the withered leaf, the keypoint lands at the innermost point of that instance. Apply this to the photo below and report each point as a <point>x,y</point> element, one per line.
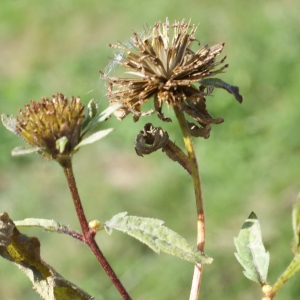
<point>24,252</point>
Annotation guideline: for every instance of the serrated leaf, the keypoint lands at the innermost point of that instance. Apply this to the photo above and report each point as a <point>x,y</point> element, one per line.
<point>251,252</point>
<point>24,252</point>
<point>23,150</point>
<point>156,236</point>
<point>94,137</point>
<point>218,83</point>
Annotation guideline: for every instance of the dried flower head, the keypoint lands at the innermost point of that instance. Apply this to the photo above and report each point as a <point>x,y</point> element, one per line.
<point>169,71</point>
<point>55,127</point>
<point>43,123</point>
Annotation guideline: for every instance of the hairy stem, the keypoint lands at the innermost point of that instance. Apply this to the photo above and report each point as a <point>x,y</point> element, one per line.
<point>72,233</point>
<point>88,235</point>
<point>198,196</point>
<point>287,274</point>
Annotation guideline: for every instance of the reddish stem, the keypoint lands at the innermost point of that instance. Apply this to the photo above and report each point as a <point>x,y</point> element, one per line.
<point>89,236</point>
<point>72,233</point>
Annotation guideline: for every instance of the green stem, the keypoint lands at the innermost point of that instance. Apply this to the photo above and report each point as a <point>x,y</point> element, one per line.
<point>198,196</point>
<point>88,235</point>
<point>287,274</point>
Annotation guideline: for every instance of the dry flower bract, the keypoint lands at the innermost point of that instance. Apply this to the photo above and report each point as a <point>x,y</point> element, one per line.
<point>43,123</point>
<point>167,70</point>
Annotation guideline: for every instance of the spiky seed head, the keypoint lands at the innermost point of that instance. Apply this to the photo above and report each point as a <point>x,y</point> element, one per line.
<point>166,69</point>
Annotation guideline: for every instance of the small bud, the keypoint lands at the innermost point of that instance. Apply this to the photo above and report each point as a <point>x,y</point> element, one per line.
<point>94,225</point>
<point>266,289</point>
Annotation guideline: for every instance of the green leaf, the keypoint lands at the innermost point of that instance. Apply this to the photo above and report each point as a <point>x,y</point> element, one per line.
<point>296,225</point>
<point>24,252</point>
<point>23,150</point>
<point>92,109</point>
<point>102,117</point>
<point>218,83</point>
<point>94,137</point>
<point>107,112</point>
<point>251,252</point>
<point>156,236</point>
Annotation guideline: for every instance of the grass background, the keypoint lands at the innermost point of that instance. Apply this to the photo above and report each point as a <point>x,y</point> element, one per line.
<point>250,162</point>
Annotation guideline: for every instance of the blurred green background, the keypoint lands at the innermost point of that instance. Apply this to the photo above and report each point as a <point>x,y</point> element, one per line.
<point>250,162</point>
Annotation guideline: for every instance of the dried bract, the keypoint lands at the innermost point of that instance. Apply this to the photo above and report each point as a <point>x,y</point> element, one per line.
<point>150,140</point>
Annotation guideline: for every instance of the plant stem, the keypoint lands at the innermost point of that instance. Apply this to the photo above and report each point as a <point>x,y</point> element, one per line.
<point>72,233</point>
<point>198,196</point>
<point>287,274</point>
<point>89,236</point>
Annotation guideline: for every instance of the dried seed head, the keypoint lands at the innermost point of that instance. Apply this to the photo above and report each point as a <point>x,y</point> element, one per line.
<point>44,124</point>
<point>166,69</point>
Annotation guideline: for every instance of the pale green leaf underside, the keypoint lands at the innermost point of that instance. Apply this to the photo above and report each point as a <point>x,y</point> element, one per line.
<point>92,109</point>
<point>23,150</point>
<point>49,225</point>
<point>94,137</point>
<point>9,122</point>
<point>107,112</point>
<point>102,117</point>
<point>251,252</point>
<point>156,236</point>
